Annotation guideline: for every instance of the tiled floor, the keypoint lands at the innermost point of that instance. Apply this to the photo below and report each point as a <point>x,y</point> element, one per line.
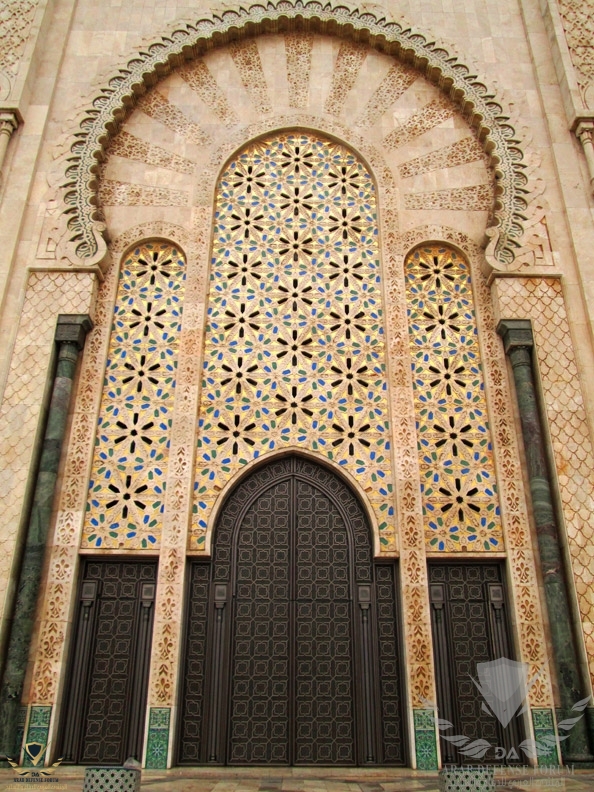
<point>276,779</point>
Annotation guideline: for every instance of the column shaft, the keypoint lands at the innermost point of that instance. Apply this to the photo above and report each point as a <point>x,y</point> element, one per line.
<point>517,338</point>
<point>70,335</point>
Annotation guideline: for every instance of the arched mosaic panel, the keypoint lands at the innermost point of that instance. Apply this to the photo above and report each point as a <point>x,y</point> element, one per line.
<point>295,350</point>
<point>460,501</point>
<point>127,488</point>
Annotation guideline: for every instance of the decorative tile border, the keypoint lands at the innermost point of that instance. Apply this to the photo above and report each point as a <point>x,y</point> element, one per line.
<point>425,739</point>
<point>157,744</point>
<point>38,730</point>
<point>543,723</point>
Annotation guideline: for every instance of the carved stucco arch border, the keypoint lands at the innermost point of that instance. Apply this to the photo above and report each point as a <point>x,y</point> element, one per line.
<point>186,41</point>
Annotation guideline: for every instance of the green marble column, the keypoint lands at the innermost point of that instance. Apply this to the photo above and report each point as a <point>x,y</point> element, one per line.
<point>518,342</point>
<point>70,335</point>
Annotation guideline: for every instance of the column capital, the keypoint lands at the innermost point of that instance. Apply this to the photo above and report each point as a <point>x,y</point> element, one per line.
<point>8,121</point>
<point>516,334</point>
<point>73,329</point>
<point>584,128</point>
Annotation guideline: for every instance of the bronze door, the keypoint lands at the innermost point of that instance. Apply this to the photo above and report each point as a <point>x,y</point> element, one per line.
<point>300,637</point>
<point>470,625</point>
<point>105,705</point>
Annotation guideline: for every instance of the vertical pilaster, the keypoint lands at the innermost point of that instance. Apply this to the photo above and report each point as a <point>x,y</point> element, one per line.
<point>70,335</point>
<point>518,343</point>
<point>585,134</point>
<point>8,124</point>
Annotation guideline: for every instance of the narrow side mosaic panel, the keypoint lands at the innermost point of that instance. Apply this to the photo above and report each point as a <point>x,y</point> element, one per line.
<point>127,487</point>
<point>460,501</point>
<point>37,732</point>
<point>425,739</point>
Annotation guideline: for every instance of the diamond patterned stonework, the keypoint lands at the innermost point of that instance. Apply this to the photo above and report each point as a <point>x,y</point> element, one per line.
<point>126,491</point>
<point>111,779</point>
<point>460,502</point>
<point>295,350</point>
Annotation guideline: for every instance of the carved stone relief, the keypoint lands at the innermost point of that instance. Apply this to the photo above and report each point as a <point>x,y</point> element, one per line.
<point>16,18</point>
<point>84,222</point>
<point>577,17</point>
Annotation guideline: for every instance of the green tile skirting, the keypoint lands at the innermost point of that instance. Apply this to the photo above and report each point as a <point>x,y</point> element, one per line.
<point>544,727</point>
<point>425,745</point>
<point>158,738</point>
<point>37,731</point>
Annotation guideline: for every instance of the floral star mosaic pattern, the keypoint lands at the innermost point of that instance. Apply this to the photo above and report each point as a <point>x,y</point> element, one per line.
<point>460,502</point>
<point>127,488</point>
<point>295,350</point>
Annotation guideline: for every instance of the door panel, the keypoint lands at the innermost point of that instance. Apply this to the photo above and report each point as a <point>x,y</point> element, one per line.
<point>260,674</point>
<point>294,660</point>
<point>324,685</point>
<point>469,619</point>
<point>105,708</point>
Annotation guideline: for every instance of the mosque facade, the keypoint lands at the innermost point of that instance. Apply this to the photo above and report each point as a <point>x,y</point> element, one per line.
<point>297,382</point>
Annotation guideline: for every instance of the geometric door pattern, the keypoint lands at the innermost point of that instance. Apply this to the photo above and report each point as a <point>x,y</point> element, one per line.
<point>103,719</point>
<point>470,623</point>
<point>294,621</point>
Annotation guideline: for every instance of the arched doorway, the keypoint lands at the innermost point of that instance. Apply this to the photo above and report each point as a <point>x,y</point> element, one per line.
<point>292,652</point>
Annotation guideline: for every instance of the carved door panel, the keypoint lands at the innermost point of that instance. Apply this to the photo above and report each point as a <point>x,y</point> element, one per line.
<point>105,706</point>
<point>293,670</point>
<point>470,626</point>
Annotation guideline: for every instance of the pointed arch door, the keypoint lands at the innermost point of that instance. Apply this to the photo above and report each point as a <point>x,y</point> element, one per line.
<point>292,650</point>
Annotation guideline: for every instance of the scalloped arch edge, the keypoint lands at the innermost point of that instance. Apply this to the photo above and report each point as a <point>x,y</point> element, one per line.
<point>102,120</point>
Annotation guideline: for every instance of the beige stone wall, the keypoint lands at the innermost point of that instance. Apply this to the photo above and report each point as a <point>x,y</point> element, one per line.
<point>160,176</point>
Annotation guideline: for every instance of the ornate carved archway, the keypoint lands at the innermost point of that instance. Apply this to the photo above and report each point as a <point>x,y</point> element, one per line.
<point>84,236</point>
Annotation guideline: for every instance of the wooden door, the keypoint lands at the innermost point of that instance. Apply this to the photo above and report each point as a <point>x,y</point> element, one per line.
<point>469,616</point>
<point>103,720</point>
<point>301,637</point>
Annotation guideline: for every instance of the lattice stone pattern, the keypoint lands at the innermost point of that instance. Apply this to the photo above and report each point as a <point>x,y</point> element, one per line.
<point>295,349</point>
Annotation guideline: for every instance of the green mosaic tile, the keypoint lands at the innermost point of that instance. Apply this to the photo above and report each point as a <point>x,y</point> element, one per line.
<point>40,716</point>
<point>37,731</point>
<point>158,738</point>
<point>425,740</point>
<point>544,731</point>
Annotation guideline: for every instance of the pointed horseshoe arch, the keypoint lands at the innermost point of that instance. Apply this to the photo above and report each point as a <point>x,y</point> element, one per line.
<point>101,122</point>
<point>297,660</point>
